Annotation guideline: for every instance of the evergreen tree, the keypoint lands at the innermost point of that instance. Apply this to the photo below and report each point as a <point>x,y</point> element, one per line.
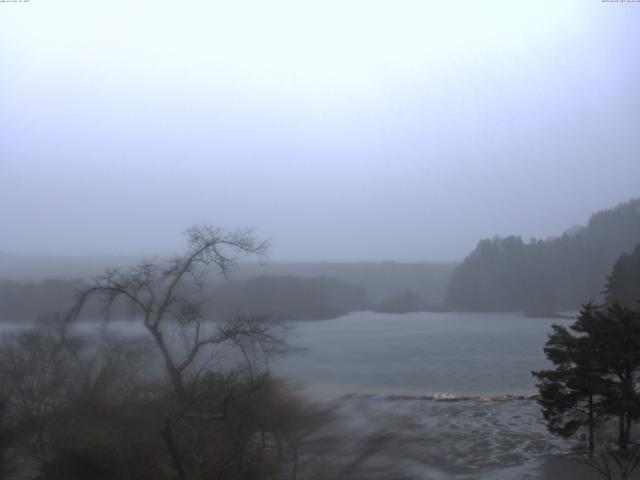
<point>553,274</point>
<point>571,393</point>
<point>597,362</point>
<point>617,336</point>
<point>623,284</point>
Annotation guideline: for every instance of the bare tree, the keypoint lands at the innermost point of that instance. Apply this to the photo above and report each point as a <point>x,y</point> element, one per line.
<point>53,387</point>
<point>155,292</point>
<point>168,299</point>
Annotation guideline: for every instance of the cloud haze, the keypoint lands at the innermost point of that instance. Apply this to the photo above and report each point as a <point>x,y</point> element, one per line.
<point>342,130</point>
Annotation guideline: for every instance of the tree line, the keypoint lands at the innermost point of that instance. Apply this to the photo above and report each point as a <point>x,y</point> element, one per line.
<point>545,275</point>
<point>285,297</point>
<point>596,369</point>
<point>190,400</point>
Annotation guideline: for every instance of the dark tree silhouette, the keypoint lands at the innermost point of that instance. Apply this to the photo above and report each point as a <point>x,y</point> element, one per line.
<point>154,292</point>
<point>597,362</point>
<point>623,283</point>
<point>161,296</point>
<point>571,393</point>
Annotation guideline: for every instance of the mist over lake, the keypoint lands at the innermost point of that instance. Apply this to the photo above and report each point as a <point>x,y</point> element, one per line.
<point>320,240</point>
<point>420,353</point>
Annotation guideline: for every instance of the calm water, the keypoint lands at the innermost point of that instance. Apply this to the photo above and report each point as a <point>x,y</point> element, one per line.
<point>418,353</point>
<point>426,353</point>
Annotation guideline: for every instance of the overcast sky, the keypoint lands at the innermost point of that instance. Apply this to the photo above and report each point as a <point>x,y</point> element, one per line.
<point>340,129</point>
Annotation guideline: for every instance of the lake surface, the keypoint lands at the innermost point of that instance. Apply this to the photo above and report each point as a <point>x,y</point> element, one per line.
<point>463,354</point>
<point>420,353</point>
<point>416,353</point>
<point>423,353</point>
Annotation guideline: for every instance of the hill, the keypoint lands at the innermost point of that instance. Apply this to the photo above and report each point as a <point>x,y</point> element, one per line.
<point>281,297</point>
<point>543,275</point>
<point>380,280</point>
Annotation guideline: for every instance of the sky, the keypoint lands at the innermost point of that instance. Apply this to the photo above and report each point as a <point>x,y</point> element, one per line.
<point>342,130</point>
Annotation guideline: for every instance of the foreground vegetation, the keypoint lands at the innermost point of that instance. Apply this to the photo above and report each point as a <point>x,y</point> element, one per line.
<point>194,399</point>
<point>189,401</point>
<point>593,385</point>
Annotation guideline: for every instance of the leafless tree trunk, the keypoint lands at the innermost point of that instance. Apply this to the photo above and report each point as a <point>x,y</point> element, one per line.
<point>157,294</point>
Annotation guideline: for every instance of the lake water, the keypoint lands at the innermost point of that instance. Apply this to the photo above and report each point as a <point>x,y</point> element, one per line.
<point>416,353</point>
<point>419,353</point>
<point>463,354</point>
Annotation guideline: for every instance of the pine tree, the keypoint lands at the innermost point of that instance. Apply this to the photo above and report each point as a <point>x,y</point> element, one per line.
<point>571,393</point>
<point>617,336</point>
<point>623,283</point>
<point>597,362</point>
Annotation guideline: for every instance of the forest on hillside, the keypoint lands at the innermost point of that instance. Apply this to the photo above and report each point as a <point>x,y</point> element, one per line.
<point>32,286</point>
<point>281,297</point>
<point>542,275</point>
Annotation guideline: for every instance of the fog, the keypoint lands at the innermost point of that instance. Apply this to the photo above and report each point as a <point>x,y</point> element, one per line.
<point>313,240</point>
<point>340,130</point>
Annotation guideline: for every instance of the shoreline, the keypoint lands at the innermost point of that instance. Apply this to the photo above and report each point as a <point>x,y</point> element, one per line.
<point>440,397</point>
<point>464,438</point>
